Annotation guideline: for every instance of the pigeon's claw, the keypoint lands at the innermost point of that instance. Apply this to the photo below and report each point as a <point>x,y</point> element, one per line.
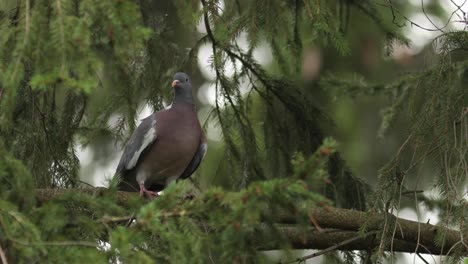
<point>144,191</point>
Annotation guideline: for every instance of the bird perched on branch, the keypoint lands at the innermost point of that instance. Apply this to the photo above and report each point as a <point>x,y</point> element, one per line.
<point>168,145</point>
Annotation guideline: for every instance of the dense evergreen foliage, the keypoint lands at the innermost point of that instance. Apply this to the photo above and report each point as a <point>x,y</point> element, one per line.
<point>68,67</point>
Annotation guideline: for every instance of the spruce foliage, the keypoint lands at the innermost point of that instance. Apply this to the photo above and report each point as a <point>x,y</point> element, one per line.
<point>67,67</point>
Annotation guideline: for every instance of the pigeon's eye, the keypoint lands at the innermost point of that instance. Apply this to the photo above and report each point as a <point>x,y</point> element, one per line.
<point>186,80</point>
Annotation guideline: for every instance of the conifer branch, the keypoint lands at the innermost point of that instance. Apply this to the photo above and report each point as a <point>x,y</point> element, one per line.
<point>322,241</point>
<point>334,247</point>
<point>409,231</point>
<point>338,225</point>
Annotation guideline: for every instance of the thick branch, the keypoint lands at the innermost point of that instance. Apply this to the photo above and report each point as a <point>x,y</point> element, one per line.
<point>329,238</point>
<point>407,230</point>
<point>339,225</point>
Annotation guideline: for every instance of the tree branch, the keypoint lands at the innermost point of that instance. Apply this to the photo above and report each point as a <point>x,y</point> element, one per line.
<point>334,247</point>
<point>410,231</point>
<point>357,228</point>
<point>334,239</point>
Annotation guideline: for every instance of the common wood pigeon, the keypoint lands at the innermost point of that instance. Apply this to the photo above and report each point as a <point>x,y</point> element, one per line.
<point>166,146</point>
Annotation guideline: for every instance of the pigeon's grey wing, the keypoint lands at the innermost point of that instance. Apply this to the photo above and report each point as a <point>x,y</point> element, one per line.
<point>196,160</point>
<point>142,138</point>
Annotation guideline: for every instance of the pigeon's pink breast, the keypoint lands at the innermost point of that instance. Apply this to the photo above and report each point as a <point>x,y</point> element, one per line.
<point>178,137</point>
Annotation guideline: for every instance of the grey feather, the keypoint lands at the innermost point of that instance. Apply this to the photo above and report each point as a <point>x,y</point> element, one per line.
<point>199,155</point>
<point>143,137</point>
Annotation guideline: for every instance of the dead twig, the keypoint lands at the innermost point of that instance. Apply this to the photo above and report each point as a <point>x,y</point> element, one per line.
<point>332,248</point>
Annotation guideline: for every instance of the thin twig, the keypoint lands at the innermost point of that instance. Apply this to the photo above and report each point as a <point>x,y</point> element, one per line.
<point>3,256</point>
<point>314,222</point>
<point>419,255</point>
<point>109,219</point>
<point>412,192</point>
<point>55,243</point>
<point>437,29</point>
<point>430,20</point>
<point>332,248</point>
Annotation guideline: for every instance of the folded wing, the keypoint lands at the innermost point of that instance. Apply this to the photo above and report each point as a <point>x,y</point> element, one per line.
<point>142,138</point>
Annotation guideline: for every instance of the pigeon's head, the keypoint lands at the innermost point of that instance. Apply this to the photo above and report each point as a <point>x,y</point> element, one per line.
<point>182,82</point>
<point>182,88</point>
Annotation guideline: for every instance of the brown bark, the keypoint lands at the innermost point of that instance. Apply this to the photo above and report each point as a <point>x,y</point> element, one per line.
<point>407,230</point>
<point>330,237</point>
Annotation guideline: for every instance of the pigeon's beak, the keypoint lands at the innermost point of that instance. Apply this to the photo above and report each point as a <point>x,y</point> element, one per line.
<point>174,83</point>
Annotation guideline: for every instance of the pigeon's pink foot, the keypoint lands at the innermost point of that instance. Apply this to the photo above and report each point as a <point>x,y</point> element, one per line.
<point>144,191</point>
